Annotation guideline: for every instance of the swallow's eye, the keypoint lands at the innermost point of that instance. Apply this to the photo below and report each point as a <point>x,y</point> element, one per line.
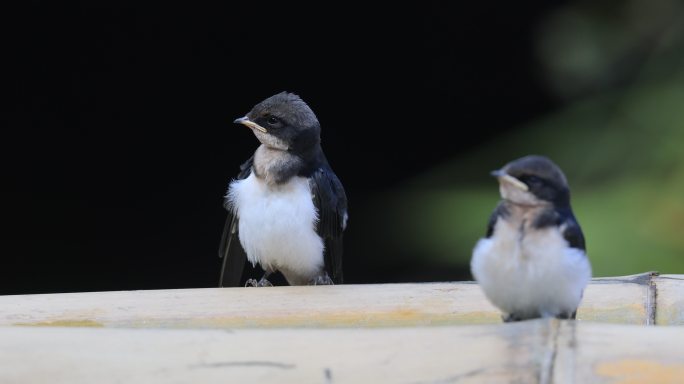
<point>531,179</point>
<point>272,120</point>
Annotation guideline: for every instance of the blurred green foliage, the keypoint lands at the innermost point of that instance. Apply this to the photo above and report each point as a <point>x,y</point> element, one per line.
<point>619,138</point>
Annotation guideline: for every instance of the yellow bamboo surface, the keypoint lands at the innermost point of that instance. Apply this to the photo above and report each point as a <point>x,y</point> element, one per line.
<point>638,299</point>
<point>378,333</point>
<point>535,351</point>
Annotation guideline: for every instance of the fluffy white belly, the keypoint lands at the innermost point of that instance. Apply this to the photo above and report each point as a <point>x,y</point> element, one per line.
<point>277,226</point>
<point>535,274</point>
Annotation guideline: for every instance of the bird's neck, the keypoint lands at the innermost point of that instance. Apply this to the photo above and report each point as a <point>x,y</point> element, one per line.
<point>527,205</point>
<point>519,211</point>
<point>276,166</point>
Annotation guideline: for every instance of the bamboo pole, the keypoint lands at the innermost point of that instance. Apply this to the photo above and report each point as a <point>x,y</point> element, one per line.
<point>637,299</point>
<point>536,351</point>
<point>670,299</point>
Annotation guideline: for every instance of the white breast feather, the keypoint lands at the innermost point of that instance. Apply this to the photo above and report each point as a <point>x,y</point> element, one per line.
<point>277,226</point>
<point>537,273</point>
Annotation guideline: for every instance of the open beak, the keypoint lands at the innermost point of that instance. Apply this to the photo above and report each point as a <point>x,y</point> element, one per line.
<point>503,177</point>
<point>250,124</point>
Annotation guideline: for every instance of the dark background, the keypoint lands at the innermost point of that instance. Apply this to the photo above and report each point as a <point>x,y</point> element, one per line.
<point>121,145</point>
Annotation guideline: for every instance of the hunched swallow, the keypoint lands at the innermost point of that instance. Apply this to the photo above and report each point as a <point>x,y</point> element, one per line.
<point>532,262</point>
<point>287,210</point>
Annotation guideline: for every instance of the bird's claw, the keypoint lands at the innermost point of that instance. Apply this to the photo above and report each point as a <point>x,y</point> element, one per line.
<point>510,318</point>
<point>321,280</point>
<point>261,283</point>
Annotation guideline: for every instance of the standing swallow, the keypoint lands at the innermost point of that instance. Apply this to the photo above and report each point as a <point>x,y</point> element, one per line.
<point>287,210</point>
<point>532,262</point>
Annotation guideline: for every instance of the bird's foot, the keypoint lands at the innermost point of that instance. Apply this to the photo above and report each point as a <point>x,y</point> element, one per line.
<point>510,317</point>
<point>567,315</point>
<point>261,283</point>
<point>321,280</point>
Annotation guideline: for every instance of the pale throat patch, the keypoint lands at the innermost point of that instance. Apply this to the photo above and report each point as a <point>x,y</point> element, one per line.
<point>517,196</point>
<point>273,165</point>
<point>270,140</point>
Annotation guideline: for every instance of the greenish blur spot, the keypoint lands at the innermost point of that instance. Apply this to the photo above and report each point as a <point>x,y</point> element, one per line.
<point>622,151</point>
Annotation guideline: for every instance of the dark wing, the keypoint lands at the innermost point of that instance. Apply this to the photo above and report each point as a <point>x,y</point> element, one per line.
<point>331,203</point>
<point>563,218</point>
<point>499,211</point>
<point>573,233</point>
<point>230,249</point>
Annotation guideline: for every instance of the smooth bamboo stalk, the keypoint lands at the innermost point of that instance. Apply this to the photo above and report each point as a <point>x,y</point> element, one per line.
<point>536,351</point>
<point>637,299</point>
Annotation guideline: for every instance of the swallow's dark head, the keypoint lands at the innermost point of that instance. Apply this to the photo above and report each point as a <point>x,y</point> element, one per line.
<point>285,122</point>
<point>533,180</point>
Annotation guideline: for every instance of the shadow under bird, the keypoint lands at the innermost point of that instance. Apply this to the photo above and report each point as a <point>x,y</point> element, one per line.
<point>532,262</point>
<point>287,210</point>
